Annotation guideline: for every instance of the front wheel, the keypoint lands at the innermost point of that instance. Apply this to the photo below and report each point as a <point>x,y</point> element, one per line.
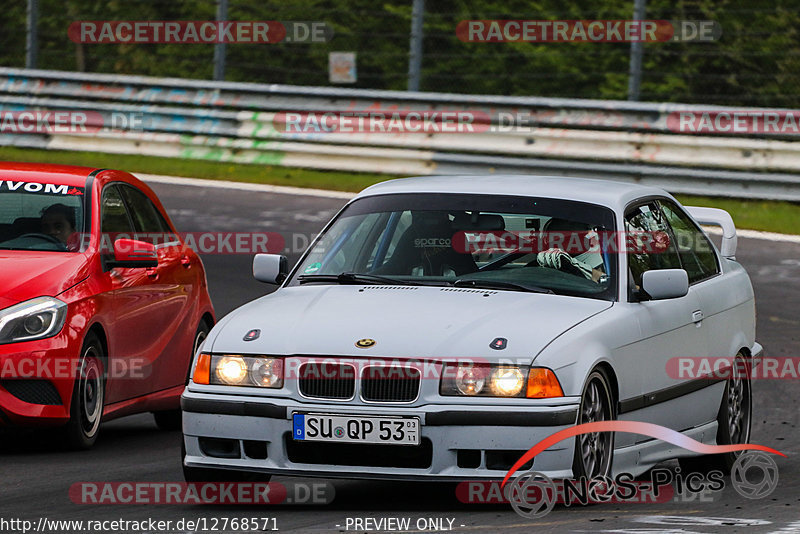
<point>733,421</point>
<point>88,395</point>
<point>594,451</point>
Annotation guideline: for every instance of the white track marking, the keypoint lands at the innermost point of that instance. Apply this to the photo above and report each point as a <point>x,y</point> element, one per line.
<point>695,521</point>
<point>244,186</point>
<point>756,234</point>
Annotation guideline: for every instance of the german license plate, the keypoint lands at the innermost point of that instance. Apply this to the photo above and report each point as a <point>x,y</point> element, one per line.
<point>356,429</point>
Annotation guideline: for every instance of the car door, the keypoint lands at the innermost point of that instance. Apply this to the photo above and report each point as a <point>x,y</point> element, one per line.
<point>667,328</point>
<point>717,294</point>
<point>172,284</point>
<point>138,309</point>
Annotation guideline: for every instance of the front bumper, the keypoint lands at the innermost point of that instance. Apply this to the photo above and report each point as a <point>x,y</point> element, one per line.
<point>37,380</point>
<point>495,435</point>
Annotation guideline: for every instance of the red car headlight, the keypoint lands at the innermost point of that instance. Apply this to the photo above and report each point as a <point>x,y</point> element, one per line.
<point>33,319</point>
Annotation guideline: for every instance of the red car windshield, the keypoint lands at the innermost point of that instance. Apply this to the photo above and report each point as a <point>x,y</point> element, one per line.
<point>38,216</point>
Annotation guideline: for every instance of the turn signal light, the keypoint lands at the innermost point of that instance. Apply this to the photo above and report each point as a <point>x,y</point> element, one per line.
<point>202,371</point>
<point>543,384</point>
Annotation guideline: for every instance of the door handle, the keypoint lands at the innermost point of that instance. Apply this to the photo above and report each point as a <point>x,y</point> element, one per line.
<point>186,261</point>
<point>152,273</point>
<point>697,316</point>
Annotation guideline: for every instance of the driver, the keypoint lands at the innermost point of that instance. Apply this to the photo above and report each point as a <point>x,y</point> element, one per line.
<point>556,258</point>
<point>58,221</point>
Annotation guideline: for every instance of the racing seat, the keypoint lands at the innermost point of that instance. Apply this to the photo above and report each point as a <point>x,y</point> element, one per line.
<point>426,245</point>
<point>557,224</point>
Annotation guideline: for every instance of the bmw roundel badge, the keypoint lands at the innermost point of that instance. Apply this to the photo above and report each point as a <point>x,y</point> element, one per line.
<point>499,343</point>
<point>252,334</point>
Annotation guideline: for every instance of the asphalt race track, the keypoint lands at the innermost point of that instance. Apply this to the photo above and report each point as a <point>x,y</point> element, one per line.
<point>36,476</point>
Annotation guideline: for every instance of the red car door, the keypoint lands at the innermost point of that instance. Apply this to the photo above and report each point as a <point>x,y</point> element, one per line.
<point>175,283</point>
<point>142,308</point>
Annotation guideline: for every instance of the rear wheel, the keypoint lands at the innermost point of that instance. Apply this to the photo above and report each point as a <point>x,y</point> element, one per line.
<point>594,452</point>
<point>88,395</point>
<point>733,422</point>
<point>171,419</point>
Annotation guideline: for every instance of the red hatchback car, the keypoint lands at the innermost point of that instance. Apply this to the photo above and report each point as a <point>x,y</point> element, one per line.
<point>101,305</point>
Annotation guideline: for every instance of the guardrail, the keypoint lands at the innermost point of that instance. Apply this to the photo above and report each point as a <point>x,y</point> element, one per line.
<point>240,122</point>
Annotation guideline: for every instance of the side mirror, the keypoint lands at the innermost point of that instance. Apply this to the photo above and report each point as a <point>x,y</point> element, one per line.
<point>133,254</point>
<point>665,283</point>
<point>270,268</point>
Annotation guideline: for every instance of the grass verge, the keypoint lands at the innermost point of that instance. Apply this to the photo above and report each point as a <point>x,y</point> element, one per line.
<point>765,215</point>
<point>210,170</point>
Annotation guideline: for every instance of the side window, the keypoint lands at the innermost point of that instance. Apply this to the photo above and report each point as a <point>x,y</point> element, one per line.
<point>114,217</point>
<point>697,254</point>
<point>146,217</point>
<point>643,226</point>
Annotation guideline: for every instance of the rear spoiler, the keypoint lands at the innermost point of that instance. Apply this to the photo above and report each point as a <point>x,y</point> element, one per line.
<point>721,218</point>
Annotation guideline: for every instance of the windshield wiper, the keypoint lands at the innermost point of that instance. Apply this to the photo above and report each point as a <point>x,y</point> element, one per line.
<point>351,278</point>
<point>500,284</point>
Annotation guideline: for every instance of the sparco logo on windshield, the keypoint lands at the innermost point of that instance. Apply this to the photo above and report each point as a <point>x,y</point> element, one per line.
<point>35,187</point>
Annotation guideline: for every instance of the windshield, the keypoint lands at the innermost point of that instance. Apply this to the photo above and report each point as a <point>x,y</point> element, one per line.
<point>485,241</point>
<point>44,217</point>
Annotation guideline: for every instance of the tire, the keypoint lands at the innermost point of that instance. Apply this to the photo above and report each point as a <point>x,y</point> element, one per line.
<point>201,474</point>
<point>170,420</point>
<point>594,453</point>
<point>733,422</point>
<point>88,396</point>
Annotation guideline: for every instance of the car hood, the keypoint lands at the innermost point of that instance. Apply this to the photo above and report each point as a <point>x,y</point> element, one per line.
<point>405,322</point>
<point>25,275</point>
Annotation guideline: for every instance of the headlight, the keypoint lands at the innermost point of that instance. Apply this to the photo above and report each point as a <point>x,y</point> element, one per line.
<point>267,372</point>
<point>231,370</point>
<point>470,380</point>
<point>238,370</point>
<point>507,381</point>
<point>499,381</point>
<point>37,318</point>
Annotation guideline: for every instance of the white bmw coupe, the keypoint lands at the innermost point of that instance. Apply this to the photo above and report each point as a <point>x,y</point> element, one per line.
<point>439,327</point>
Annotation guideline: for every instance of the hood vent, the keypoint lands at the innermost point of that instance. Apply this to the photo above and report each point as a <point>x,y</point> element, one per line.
<point>462,290</point>
<point>389,288</point>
